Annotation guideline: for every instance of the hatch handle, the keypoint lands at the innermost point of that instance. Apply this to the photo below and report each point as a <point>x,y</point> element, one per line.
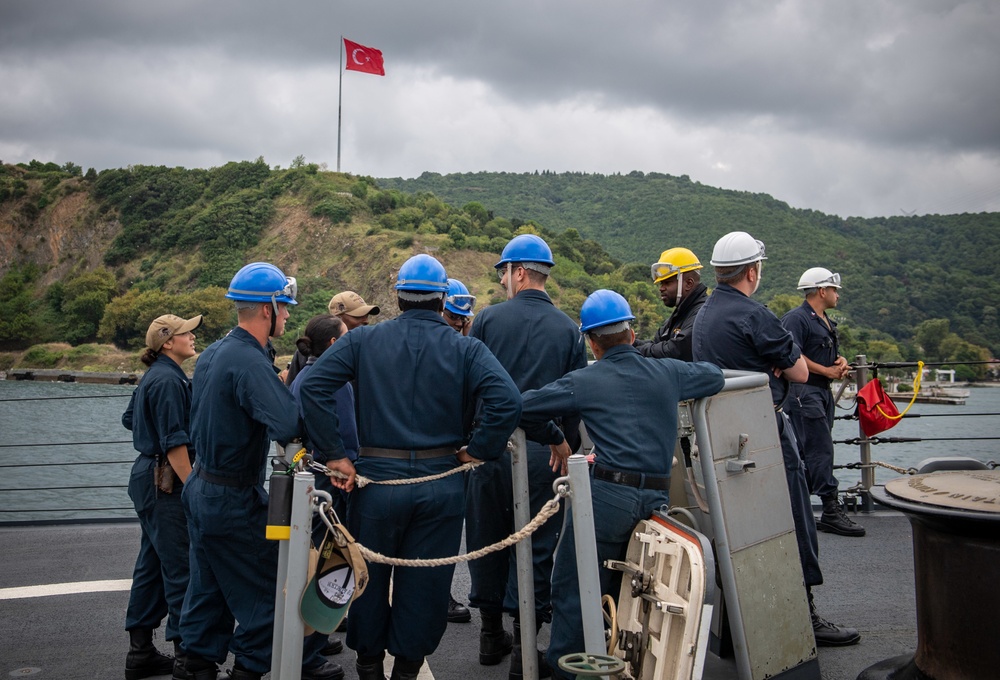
<point>741,463</point>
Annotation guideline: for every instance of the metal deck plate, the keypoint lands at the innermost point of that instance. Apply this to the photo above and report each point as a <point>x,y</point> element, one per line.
<point>977,490</point>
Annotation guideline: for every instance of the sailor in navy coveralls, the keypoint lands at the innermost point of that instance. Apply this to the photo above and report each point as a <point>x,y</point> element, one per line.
<point>418,382</point>
<point>239,405</point>
<point>537,343</point>
<point>734,331</point>
<point>159,415</point>
<point>628,404</point>
<point>810,405</point>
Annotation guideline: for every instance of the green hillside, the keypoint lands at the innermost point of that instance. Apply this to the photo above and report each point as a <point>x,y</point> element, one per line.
<point>898,271</point>
<point>93,257</point>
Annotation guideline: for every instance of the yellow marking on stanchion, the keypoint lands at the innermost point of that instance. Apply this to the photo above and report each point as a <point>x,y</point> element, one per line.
<point>278,533</point>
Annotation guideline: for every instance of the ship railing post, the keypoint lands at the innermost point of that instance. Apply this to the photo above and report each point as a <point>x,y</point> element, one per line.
<point>286,659</point>
<point>279,604</point>
<point>867,471</point>
<point>525,568</point>
<point>581,505</point>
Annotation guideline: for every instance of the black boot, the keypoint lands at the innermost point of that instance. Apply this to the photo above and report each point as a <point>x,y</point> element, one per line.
<point>494,642</point>
<point>238,672</point>
<point>516,671</point>
<point>144,659</point>
<point>332,648</point>
<point>830,634</point>
<point>370,667</point>
<point>835,521</point>
<point>406,670</point>
<point>458,612</point>
<point>328,670</point>
<point>180,670</point>
<point>198,668</point>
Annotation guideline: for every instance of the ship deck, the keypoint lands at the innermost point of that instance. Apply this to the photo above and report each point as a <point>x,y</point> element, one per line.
<point>51,630</point>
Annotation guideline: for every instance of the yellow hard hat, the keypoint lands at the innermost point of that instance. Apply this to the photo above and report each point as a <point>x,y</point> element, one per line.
<point>673,262</point>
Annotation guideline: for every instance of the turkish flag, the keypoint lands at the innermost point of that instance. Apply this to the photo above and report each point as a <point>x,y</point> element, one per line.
<point>364,59</point>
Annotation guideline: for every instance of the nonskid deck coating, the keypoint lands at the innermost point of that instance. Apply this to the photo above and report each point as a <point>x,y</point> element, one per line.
<point>869,585</point>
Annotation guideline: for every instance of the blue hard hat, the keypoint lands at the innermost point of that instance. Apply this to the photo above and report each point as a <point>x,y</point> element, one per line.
<point>459,300</point>
<point>262,282</point>
<point>422,273</point>
<point>603,308</point>
<point>526,248</point>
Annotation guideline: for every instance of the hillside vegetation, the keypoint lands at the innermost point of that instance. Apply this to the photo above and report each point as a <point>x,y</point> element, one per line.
<point>93,257</point>
<point>898,271</point>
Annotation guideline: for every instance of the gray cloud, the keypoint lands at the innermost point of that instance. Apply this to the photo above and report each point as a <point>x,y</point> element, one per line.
<point>850,107</point>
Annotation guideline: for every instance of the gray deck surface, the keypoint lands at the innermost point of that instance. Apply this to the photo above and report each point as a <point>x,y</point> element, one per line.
<point>869,585</point>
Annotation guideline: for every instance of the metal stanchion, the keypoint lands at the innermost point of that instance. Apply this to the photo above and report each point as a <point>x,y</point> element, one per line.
<point>586,556</point>
<point>525,567</point>
<point>867,472</point>
<point>286,661</point>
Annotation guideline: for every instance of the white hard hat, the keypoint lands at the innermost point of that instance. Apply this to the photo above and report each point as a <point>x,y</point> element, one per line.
<point>736,248</point>
<point>819,277</point>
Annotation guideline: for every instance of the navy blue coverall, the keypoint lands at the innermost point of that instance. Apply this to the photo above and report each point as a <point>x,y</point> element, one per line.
<point>629,405</point>
<point>537,343</point>
<point>344,406</point>
<point>239,405</point>
<point>810,405</point>
<point>733,331</point>
<point>673,339</point>
<point>418,383</point>
<point>158,415</point>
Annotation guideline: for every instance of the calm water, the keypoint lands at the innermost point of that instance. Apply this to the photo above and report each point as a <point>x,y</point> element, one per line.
<point>46,454</point>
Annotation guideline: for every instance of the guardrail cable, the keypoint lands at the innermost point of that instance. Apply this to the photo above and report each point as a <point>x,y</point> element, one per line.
<point>857,441</point>
<point>80,396</point>
<point>963,414</point>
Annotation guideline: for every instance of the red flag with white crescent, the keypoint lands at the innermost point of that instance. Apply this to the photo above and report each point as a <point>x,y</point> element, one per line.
<point>364,59</point>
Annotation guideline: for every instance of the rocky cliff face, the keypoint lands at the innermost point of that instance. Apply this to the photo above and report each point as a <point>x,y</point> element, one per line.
<point>64,235</point>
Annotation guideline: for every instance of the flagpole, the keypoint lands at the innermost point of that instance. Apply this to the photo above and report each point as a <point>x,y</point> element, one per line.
<point>340,94</point>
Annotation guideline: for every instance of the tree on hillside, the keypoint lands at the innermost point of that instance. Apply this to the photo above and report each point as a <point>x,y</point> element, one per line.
<point>17,322</point>
<point>782,303</point>
<point>128,316</point>
<point>83,301</point>
<point>929,335</point>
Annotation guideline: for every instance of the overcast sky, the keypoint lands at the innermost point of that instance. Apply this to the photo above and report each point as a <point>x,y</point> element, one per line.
<point>850,107</point>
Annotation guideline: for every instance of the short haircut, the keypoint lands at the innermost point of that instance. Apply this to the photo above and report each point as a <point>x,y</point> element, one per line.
<point>731,275</point>
<point>435,304</point>
<point>606,342</point>
<point>537,278</point>
<point>246,309</point>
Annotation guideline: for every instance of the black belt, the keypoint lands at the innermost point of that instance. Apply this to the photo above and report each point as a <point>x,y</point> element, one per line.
<point>406,454</point>
<point>239,482</point>
<point>636,480</point>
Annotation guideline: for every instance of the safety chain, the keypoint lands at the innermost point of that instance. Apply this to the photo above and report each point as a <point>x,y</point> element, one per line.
<point>992,465</point>
<point>361,481</point>
<point>877,463</point>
